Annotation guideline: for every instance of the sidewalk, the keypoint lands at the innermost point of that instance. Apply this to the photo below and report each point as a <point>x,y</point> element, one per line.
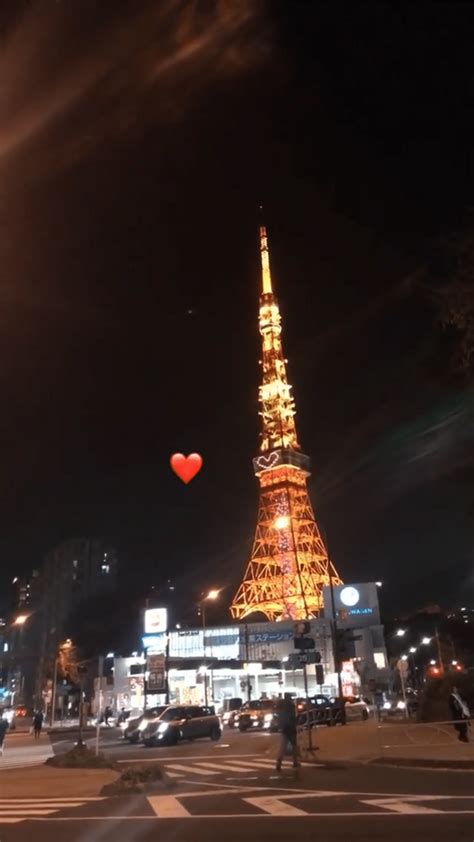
<point>22,750</point>
<point>54,783</point>
<point>410,744</point>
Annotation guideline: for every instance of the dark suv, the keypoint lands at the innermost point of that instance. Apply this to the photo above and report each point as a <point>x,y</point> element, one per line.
<point>182,722</point>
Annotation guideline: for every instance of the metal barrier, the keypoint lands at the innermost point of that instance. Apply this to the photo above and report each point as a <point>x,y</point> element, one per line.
<point>312,718</point>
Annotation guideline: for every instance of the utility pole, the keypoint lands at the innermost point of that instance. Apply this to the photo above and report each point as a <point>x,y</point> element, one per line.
<point>335,648</point>
<point>101,675</point>
<point>203,617</point>
<point>438,645</point>
<point>53,692</point>
<point>247,660</point>
<point>167,668</point>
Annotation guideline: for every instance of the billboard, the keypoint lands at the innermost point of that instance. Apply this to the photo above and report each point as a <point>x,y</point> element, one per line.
<point>356,605</point>
<point>156,620</point>
<point>156,682</point>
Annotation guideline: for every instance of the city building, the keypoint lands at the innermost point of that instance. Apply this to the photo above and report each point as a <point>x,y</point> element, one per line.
<point>72,573</point>
<point>254,659</point>
<point>40,606</point>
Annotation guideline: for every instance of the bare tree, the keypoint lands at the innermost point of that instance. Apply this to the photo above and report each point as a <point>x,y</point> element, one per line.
<point>455,298</point>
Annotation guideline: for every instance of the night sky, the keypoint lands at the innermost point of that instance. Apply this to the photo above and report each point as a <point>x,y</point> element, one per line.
<point>137,141</point>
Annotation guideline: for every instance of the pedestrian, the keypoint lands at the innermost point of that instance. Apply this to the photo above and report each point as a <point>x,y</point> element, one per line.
<point>287,721</point>
<point>37,724</point>
<point>107,714</point>
<point>3,731</point>
<point>460,714</point>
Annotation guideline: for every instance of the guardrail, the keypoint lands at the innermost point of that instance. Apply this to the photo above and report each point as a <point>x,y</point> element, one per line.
<point>420,735</point>
<point>314,717</point>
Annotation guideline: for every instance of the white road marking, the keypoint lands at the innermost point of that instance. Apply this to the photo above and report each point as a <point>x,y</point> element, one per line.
<point>14,810</point>
<point>228,767</point>
<point>404,805</point>
<point>188,769</point>
<point>275,806</point>
<point>27,812</point>
<point>167,807</point>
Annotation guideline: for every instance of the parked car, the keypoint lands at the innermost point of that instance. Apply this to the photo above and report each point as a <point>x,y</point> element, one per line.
<point>132,728</point>
<point>321,707</point>
<point>356,708</point>
<point>182,722</point>
<point>231,711</point>
<point>259,714</point>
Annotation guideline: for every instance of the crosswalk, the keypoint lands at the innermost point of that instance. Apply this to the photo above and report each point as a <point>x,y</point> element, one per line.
<point>231,766</point>
<point>14,810</point>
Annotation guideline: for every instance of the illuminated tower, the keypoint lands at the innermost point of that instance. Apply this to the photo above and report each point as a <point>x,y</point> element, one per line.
<point>289,564</point>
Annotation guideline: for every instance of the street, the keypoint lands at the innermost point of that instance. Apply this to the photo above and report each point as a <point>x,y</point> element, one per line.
<point>235,781</point>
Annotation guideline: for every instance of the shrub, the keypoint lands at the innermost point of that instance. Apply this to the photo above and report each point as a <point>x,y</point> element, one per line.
<point>80,757</point>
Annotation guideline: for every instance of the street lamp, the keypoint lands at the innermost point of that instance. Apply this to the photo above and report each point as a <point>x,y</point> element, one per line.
<point>212,595</point>
<point>426,640</point>
<point>412,649</point>
<point>400,632</point>
<point>20,620</point>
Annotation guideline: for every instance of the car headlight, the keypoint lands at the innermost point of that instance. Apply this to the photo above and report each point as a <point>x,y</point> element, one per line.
<point>254,716</point>
<point>387,705</point>
<point>401,705</point>
<point>162,727</point>
<point>268,717</point>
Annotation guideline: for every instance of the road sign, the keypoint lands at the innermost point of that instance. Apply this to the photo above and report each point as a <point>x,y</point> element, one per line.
<point>304,643</point>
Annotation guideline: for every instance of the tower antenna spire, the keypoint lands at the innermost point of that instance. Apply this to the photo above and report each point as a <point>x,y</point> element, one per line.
<point>265,259</point>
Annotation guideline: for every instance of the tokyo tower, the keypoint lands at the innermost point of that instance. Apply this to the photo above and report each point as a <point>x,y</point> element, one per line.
<point>289,564</point>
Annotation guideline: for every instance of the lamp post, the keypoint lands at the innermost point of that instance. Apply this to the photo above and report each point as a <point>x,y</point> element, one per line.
<point>212,595</point>
<point>412,651</point>
<point>16,653</point>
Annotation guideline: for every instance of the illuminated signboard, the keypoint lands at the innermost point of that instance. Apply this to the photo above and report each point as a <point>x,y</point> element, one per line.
<point>156,620</point>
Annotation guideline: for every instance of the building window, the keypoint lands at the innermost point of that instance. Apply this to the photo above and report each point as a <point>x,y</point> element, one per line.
<point>75,562</point>
<point>379,659</point>
<point>105,568</point>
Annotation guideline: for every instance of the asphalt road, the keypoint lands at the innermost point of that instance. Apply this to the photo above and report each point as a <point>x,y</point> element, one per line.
<point>232,789</point>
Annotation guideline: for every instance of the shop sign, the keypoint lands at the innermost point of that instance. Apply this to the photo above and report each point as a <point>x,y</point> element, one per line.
<point>156,620</point>
<point>270,636</point>
<point>156,673</point>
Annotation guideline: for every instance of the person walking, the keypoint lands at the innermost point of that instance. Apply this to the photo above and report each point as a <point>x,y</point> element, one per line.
<point>37,724</point>
<point>460,714</point>
<point>3,731</point>
<point>287,720</point>
<point>107,714</point>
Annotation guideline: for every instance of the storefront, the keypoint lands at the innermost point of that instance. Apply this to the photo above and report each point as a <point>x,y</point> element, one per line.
<point>252,660</point>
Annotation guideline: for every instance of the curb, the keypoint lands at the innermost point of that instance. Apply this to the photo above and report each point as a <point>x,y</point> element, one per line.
<point>421,763</point>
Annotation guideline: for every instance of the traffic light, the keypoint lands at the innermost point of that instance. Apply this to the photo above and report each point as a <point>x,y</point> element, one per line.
<point>344,644</point>
<point>301,629</point>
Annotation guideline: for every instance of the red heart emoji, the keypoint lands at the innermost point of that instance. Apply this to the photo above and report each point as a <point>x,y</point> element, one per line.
<point>186,467</point>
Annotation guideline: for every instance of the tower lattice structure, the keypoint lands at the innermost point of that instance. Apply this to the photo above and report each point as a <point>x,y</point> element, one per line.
<point>289,564</point>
